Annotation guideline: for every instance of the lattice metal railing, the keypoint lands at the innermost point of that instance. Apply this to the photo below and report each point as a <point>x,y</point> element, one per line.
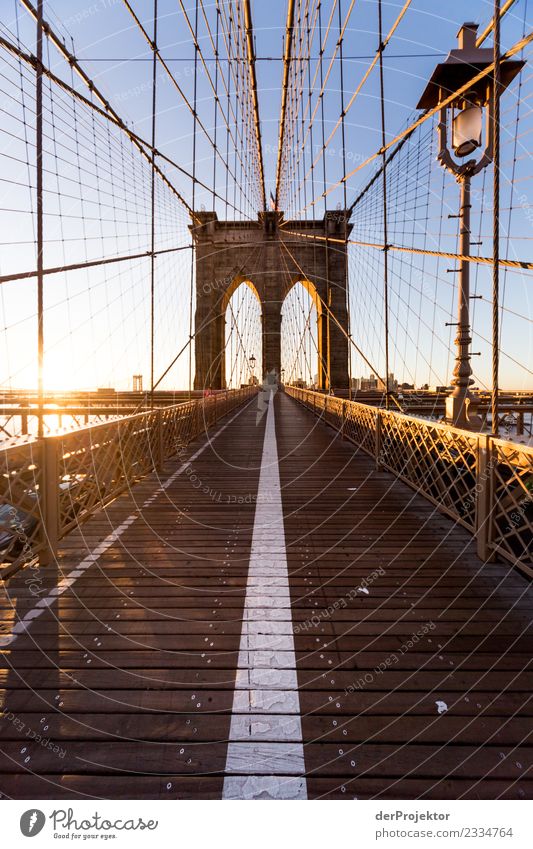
<point>97,463</point>
<point>483,483</point>
<point>511,526</point>
<point>333,411</point>
<point>360,425</point>
<point>439,461</point>
<point>21,477</point>
<point>49,486</point>
<point>178,426</point>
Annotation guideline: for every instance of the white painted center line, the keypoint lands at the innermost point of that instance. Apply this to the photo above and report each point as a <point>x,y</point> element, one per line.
<point>265,757</point>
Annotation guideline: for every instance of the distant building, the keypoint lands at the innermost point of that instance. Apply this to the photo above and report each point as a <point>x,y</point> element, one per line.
<point>368,384</point>
<point>137,383</point>
<point>393,384</point>
<point>374,384</point>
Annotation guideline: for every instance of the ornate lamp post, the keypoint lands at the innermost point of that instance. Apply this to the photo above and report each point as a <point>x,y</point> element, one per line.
<point>252,367</point>
<point>466,111</point>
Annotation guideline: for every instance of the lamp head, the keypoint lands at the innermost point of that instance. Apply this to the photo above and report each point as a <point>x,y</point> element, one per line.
<point>462,65</point>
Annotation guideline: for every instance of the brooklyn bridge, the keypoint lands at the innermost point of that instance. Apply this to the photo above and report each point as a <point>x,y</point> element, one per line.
<point>266,406</point>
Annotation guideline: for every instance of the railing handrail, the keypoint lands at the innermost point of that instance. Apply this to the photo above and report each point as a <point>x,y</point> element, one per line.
<point>120,419</point>
<point>420,419</point>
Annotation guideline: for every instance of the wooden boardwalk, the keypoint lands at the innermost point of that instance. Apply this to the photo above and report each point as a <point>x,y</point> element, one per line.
<point>185,649</point>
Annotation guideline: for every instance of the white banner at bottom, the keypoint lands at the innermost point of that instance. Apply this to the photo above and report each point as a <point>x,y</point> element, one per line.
<point>257,825</point>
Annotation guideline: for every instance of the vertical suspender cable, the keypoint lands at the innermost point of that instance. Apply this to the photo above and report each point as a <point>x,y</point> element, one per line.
<point>152,258</point>
<point>302,117</point>
<point>496,222</point>
<point>345,200</point>
<point>320,319</point>
<point>228,89</point>
<point>238,111</point>
<point>385,228</point>
<point>327,381</point>
<point>305,66</point>
<point>255,98</point>
<point>40,222</point>
<point>195,118</point>
<point>287,56</point>
<point>216,108</point>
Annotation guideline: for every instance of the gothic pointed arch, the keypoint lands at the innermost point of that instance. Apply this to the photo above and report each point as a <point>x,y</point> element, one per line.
<point>270,259</point>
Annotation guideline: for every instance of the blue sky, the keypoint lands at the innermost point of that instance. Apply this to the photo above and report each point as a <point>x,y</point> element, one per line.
<point>97,322</point>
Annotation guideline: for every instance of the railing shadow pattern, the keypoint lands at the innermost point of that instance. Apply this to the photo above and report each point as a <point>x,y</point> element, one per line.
<point>50,486</point>
<point>484,483</point>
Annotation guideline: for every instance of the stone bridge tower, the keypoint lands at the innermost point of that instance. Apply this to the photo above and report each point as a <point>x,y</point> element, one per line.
<point>271,256</point>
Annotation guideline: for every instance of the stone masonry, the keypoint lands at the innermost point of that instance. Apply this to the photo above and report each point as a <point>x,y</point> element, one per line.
<point>269,255</point>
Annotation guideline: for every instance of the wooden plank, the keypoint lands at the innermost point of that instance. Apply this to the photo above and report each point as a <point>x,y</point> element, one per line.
<point>209,787</point>
<point>206,727</point>
<point>168,698</point>
<point>321,758</point>
<point>146,612</point>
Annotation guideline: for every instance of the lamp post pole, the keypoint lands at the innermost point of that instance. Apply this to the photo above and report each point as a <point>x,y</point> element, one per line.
<point>460,405</point>
<point>456,74</point>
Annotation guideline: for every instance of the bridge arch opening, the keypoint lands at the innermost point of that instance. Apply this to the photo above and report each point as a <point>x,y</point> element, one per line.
<point>225,259</point>
<point>243,354</point>
<point>302,318</point>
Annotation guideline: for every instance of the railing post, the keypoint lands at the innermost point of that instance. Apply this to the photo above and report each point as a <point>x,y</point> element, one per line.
<point>484,496</point>
<point>378,439</point>
<point>198,410</point>
<point>49,500</point>
<point>159,449</point>
<point>343,421</point>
